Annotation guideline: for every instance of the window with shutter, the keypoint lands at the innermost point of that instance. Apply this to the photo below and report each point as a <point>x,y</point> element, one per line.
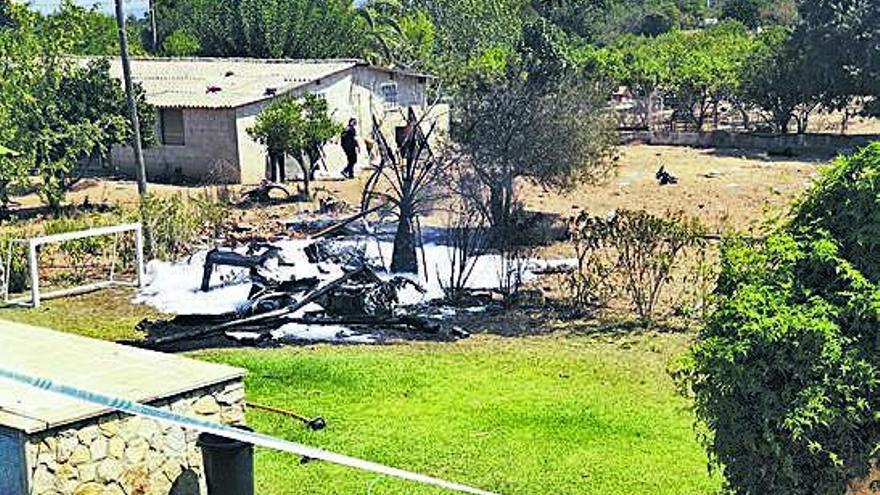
<point>171,122</point>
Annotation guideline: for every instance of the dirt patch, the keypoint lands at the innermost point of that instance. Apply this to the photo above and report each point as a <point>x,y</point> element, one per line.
<point>723,190</point>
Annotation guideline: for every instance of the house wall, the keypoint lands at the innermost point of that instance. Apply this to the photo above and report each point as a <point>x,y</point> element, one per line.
<point>118,454</point>
<point>412,92</point>
<point>253,157</point>
<point>209,155</point>
<point>218,149</point>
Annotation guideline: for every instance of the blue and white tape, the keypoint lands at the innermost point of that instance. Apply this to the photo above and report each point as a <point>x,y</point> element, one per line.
<point>168,417</point>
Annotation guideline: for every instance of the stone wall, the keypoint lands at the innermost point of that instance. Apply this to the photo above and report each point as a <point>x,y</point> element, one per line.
<point>119,454</point>
<point>788,144</point>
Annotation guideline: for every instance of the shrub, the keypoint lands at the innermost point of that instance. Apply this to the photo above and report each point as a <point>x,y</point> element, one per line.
<point>466,239</point>
<point>785,374</point>
<point>590,284</point>
<point>845,203</point>
<point>81,254</point>
<point>634,249</point>
<point>16,255</point>
<point>71,261</point>
<point>175,224</point>
<point>212,211</point>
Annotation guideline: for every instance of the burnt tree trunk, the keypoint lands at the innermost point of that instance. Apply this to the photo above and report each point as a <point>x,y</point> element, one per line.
<point>404,259</point>
<point>501,204</point>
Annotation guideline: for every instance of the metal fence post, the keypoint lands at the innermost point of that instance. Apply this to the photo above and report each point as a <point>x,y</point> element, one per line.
<point>35,273</point>
<point>139,254</point>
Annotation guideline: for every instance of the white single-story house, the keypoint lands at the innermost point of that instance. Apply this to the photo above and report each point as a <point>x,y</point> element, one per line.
<point>204,107</point>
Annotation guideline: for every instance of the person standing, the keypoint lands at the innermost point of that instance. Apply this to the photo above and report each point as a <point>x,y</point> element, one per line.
<point>351,148</point>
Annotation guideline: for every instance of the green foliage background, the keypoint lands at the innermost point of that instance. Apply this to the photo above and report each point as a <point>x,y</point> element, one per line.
<point>785,371</point>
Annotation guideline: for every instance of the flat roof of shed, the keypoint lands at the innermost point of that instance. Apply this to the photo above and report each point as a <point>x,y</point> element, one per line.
<point>94,365</point>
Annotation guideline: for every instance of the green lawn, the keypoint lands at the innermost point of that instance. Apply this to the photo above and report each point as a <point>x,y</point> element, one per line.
<point>561,414</point>
<point>104,315</point>
<point>538,415</point>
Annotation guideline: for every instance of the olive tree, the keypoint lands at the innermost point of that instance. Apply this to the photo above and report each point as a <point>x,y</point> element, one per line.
<point>556,133</point>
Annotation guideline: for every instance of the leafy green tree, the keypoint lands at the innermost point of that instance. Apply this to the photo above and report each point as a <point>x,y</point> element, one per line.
<point>785,371</point>
<point>781,13</point>
<point>695,70</point>
<point>470,35</point>
<point>842,42</point>
<point>705,69</point>
<point>77,113</point>
<point>267,28</point>
<point>384,34</point>
<point>217,24</point>
<point>655,21</point>
<point>181,43</point>
<point>295,128</point>
<point>585,19</point>
<point>93,32</point>
<point>554,132</point>
<point>419,38</point>
<point>778,80</point>
<point>641,64</point>
<point>13,169</point>
<point>60,111</point>
<point>747,12</point>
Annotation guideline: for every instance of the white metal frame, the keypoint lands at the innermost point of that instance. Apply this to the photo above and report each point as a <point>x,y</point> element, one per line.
<point>34,243</point>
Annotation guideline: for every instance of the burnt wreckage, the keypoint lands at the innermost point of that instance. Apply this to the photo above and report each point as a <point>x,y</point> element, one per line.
<point>362,296</point>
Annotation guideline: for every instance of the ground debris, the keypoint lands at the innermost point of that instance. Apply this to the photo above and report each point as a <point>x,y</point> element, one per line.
<point>664,178</point>
<point>265,193</point>
<point>279,307</point>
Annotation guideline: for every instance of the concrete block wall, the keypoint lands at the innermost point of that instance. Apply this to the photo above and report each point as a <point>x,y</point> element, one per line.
<point>209,155</point>
<point>127,455</point>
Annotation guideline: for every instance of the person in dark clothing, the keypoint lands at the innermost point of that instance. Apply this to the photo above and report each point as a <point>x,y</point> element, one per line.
<point>351,147</point>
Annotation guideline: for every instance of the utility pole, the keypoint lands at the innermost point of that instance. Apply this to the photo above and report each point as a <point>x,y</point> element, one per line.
<point>132,107</point>
<point>153,32</point>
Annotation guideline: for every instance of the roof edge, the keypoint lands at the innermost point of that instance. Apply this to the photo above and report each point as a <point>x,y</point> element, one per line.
<point>355,62</point>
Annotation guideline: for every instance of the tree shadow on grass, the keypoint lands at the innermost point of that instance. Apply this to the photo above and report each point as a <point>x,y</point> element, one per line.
<point>21,213</point>
<point>618,327</point>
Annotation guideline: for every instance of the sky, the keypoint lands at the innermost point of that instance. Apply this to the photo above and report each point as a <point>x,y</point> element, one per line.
<point>132,7</point>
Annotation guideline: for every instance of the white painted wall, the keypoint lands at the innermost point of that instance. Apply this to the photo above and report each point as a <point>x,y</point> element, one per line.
<point>218,147</point>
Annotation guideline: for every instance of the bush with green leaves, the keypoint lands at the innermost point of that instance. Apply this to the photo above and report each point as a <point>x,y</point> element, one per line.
<point>175,224</point>
<point>633,252</point>
<point>785,374</point>
<point>181,43</point>
<point>81,256</point>
<point>67,262</point>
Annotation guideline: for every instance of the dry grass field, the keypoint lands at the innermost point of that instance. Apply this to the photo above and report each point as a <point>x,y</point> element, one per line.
<point>722,188</point>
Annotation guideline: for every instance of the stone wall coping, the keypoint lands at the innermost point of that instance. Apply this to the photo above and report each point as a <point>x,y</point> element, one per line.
<point>95,365</point>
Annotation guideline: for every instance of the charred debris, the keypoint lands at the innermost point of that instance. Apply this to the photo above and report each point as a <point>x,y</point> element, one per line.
<point>364,297</point>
